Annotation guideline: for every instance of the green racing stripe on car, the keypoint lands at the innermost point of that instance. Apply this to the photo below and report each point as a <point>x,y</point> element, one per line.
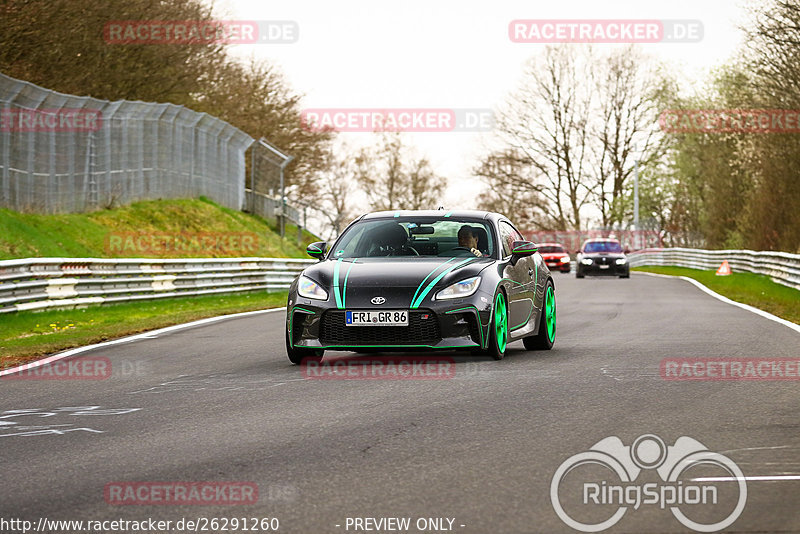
<point>336,284</point>
<point>344,286</point>
<point>426,279</point>
<point>416,303</point>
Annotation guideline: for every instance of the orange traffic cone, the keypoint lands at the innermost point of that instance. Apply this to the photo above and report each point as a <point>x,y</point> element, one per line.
<point>724,269</point>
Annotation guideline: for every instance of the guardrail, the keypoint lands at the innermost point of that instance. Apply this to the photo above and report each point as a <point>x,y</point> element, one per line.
<point>782,267</point>
<point>38,283</point>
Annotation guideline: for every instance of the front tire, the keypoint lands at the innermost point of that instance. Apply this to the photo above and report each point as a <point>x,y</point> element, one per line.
<point>298,354</point>
<point>498,327</point>
<point>547,323</point>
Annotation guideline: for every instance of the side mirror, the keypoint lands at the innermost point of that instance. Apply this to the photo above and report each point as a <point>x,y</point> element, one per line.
<point>521,249</point>
<point>316,250</point>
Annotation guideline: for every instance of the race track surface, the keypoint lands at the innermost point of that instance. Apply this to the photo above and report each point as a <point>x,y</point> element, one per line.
<point>221,402</point>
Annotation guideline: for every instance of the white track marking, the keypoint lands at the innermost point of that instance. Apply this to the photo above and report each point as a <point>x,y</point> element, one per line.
<point>762,313</point>
<point>757,478</point>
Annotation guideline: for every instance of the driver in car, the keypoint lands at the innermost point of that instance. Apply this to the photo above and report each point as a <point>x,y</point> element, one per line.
<point>468,239</point>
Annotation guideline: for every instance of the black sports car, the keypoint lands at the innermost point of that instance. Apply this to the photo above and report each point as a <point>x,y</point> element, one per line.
<point>602,256</point>
<point>422,280</point>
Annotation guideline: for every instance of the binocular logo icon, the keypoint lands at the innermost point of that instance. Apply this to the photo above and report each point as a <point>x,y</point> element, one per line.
<point>648,452</point>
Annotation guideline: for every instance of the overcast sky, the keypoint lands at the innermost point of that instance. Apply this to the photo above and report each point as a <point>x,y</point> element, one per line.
<point>452,54</point>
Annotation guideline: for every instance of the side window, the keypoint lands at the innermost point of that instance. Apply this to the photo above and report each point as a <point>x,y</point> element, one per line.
<point>507,237</point>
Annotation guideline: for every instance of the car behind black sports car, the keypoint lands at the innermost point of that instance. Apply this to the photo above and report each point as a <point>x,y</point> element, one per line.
<point>422,280</point>
<point>602,256</point>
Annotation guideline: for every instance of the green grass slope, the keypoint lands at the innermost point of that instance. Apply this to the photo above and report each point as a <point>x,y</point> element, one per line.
<point>195,228</point>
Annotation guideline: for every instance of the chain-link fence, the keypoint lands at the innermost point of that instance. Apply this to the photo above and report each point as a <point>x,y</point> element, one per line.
<point>61,153</point>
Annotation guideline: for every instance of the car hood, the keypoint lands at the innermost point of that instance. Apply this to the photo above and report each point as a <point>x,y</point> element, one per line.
<point>389,272</point>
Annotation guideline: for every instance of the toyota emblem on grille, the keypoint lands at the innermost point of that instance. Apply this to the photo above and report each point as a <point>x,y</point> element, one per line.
<point>378,300</point>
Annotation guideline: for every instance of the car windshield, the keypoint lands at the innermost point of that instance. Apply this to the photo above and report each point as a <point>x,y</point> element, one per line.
<point>602,246</point>
<point>401,236</point>
<point>549,249</point>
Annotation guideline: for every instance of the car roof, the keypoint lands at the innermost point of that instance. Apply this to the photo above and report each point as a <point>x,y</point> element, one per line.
<point>457,214</point>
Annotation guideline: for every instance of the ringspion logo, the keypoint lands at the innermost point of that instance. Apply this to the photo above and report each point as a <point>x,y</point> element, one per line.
<point>592,491</point>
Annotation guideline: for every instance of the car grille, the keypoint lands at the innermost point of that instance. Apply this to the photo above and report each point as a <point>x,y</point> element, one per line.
<point>419,331</point>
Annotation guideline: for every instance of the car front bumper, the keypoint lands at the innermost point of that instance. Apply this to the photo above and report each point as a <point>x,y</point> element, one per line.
<point>461,323</point>
<point>611,269</point>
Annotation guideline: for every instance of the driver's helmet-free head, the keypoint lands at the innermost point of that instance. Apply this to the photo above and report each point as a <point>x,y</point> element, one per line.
<point>390,235</point>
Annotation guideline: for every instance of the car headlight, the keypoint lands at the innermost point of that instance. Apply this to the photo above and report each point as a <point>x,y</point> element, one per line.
<point>464,288</point>
<point>621,261</point>
<point>586,261</point>
<point>565,259</point>
<point>309,289</point>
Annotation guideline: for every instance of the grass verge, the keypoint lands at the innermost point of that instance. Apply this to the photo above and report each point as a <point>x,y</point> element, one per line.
<point>26,336</point>
<point>756,290</point>
<point>148,229</point>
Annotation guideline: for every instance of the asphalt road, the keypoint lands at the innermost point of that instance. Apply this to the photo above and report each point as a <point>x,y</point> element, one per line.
<point>221,402</point>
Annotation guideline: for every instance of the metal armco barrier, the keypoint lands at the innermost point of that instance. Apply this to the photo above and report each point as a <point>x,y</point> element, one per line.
<point>782,267</point>
<point>38,283</point>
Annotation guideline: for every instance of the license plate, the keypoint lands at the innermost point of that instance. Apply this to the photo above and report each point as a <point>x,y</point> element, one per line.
<point>377,318</point>
<point>605,266</point>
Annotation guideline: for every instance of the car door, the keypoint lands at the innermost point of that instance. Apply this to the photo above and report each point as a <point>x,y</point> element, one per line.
<point>521,279</point>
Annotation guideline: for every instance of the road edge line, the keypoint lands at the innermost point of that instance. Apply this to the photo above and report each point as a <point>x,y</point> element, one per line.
<point>135,337</point>
<point>705,289</point>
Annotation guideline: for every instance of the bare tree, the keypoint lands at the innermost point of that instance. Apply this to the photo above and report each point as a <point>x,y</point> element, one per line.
<point>545,124</point>
<point>571,132</point>
<point>393,177</point>
<point>338,187</point>
<point>630,89</point>
<point>511,190</point>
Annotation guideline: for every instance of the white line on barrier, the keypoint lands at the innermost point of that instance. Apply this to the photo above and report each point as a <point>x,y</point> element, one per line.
<point>762,313</point>
<point>144,335</point>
